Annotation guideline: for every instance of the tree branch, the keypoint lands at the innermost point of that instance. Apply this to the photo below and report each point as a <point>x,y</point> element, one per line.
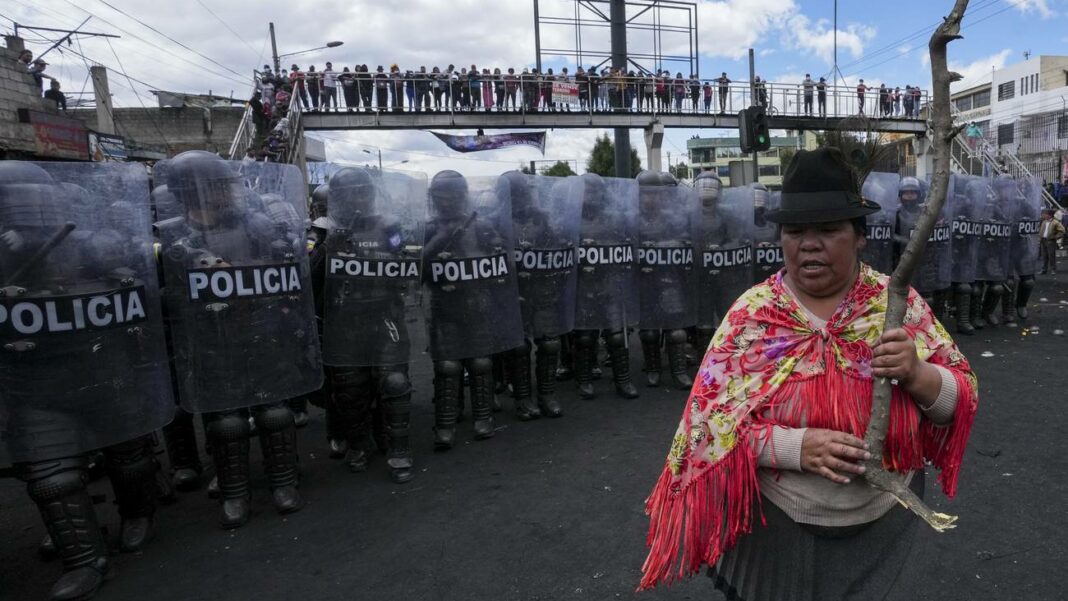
<point>942,127</point>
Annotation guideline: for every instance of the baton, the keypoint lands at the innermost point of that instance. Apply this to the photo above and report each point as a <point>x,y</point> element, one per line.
<point>46,248</point>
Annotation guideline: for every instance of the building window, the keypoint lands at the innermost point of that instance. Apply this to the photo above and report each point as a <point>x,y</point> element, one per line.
<point>981,99</point>
<point>964,104</point>
<point>1023,86</point>
<point>723,170</point>
<point>1034,82</point>
<point>1062,126</point>
<point>769,154</point>
<point>728,153</point>
<point>769,171</point>
<point>1005,134</point>
<point>1007,90</point>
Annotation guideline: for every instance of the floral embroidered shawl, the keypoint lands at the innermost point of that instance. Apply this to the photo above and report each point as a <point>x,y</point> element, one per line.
<point>765,352</point>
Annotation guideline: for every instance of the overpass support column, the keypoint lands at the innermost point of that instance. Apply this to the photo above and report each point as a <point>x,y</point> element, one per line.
<point>654,141</point>
<point>924,158</point>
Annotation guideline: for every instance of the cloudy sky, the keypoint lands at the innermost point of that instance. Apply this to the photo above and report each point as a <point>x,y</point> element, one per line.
<point>201,45</point>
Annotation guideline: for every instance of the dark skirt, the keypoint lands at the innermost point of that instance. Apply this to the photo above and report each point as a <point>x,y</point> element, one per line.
<point>801,562</point>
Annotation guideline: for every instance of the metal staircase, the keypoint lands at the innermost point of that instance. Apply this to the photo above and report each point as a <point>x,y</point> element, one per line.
<point>247,136</point>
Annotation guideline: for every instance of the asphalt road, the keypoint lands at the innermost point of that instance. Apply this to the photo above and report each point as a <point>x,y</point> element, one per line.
<point>552,509</point>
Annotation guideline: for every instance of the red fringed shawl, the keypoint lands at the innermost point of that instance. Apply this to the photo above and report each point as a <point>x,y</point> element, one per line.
<point>766,352</point>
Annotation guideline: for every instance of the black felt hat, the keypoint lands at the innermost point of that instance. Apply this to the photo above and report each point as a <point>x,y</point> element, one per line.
<point>819,186</point>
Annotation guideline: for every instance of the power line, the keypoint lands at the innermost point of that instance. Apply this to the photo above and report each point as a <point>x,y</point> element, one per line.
<point>129,16</point>
<point>155,121</point>
<point>227,26</point>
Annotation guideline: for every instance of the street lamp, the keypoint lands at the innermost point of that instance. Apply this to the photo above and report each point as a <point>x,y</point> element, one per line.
<point>276,56</point>
<point>380,158</point>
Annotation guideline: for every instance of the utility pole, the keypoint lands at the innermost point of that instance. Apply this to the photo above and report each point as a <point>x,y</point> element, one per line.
<point>274,50</point>
<point>105,119</point>
<point>752,102</point>
<point>618,16</point>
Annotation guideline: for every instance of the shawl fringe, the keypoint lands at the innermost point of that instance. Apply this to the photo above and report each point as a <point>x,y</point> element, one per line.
<point>694,526</point>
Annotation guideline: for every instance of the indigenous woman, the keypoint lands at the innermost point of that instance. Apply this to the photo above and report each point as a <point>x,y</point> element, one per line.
<point>764,480</point>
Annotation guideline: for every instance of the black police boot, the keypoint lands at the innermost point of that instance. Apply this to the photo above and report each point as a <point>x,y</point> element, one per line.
<point>229,433</point>
<point>991,298</point>
<point>397,398</point>
<point>335,432</point>
<point>583,365</point>
<point>500,380</point>
<point>962,299</point>
<point>545,360</point>
<point>1023,295</point>
<point>278,441</point>
<point>299,407</point>
<point>676,351</point>
<point>353,397</point>
<point>481,370</point>
<point>1008,305</point>
<point>620,356</point>
<point>975,307</point>
<point>58,488</point>
<point>565,371</point>
<point>448,378</point>
<point>519,361</point>
<point>651,356</point>
<point>132,469</point>
<point>181,440</point>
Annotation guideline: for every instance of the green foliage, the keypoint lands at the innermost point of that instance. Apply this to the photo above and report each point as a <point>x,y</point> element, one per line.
<point>680,171</point>
<point>559,169</point>
<point>602,160</point>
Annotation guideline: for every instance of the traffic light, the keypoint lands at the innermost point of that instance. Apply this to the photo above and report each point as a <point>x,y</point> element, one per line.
<point>753,131</point>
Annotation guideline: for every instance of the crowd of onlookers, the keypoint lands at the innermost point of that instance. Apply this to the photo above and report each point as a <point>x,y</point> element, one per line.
<point>36,68</point>
<point>587,90</point>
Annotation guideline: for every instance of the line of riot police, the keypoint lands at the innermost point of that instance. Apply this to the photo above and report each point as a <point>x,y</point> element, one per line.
<point>250,307</point>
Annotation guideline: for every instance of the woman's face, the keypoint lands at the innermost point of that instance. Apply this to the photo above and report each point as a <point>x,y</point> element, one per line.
<point>821,258</point>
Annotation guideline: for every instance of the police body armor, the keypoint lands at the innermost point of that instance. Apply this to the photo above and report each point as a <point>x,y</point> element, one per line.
<point>1024,253</point>
<point>878,252</point>
<point>964,249</point>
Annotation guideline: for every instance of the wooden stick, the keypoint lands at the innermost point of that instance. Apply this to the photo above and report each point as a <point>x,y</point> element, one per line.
<point>941,122</point>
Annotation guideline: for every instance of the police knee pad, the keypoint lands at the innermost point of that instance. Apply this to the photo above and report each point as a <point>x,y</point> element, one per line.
<point>585,338</point>
<point>618,339</point>
<point>480,365</point>
<point>394,384</point>
<point>1027,282</point>
<point>962,288</point>
<point>47,481</point>
<point>522,350</point>
<point>274,418</point>
<point>228,427</point>
<point>131,459</point>
<point>448,368</point>
<point>649,336</point>
<point>677,336</point>
<point>550,345</point>
<point>995,288</point>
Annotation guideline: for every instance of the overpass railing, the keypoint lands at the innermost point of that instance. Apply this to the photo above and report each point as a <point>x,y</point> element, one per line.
<point>633,95</point>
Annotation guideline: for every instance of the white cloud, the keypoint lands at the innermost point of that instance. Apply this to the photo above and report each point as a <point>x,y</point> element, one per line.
<point>979,70</point>
<point>728,28</point>
<point>817,37</point>
<point>1041,7</point>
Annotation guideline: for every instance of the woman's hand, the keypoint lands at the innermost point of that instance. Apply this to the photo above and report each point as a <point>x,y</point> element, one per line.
<point>828,452</point>
<point>895,357</point>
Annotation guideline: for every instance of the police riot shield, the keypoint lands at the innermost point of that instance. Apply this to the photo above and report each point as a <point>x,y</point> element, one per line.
<point>934,271</point>
<point>767,249</point>
<point>607,290</point>
<point>370,266</point>
<point>1027,220</point>
<point>83,360</point>
<point>468,267</point>
<point>238,285</point>
<point>966,227</point>
<point>545,223</point>
<point>667,278</point>
<point>724,254</point>
<point>881,188</point>
<point>994,200</point>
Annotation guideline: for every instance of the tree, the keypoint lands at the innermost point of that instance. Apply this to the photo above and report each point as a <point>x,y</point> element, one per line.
<point>558,169</point>
<point>526,169</point>
<point>602,160</point>
<point>680,171</point>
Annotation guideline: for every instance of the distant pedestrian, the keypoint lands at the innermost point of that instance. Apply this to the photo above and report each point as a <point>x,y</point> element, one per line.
<point>313,80</point>
<point>1050,232</point>
<point>329,87</point>
<point>861,89</point>
<point>821,96</point>
<point>724,91</point>
<point>56,96</point>
<point>808,87</point>
<point>296,79</point>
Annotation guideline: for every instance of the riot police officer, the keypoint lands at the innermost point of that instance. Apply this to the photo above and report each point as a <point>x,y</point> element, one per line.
<point>933,273</point>
<point>243,320</point>
<point>545,224</point>
<point>607,292</point>
<point>82,355</point>
<point>469,274</point>
<point>1026,212</point>
<point>362,273</point>
<point>666,277</point>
